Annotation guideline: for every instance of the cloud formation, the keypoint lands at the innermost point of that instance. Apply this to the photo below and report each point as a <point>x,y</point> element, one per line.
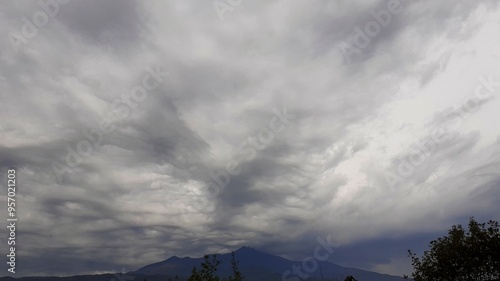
<point>145,191</point>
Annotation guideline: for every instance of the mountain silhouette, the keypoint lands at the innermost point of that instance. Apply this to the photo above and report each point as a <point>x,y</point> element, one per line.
<point>253,264</point>
<point>259,266</point>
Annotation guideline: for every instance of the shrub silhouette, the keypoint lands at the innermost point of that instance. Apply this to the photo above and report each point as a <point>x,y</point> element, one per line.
<point>209,267</point>
<point>350,278</point>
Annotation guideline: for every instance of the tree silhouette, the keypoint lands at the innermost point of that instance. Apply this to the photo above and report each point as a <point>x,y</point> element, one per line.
<point>237,276</point>
<point>209,267</point>
<point>208,270</point>
<point>350,278</point>
<point>472,255</point>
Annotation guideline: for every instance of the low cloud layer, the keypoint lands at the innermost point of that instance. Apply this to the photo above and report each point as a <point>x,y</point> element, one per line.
<point>142,130</point>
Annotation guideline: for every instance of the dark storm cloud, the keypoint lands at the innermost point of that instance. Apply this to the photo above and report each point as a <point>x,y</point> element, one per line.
<point>114,23</point>
<point>142,194</point>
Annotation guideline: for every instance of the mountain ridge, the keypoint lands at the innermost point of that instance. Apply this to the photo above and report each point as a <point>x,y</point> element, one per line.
<point>257,265</point>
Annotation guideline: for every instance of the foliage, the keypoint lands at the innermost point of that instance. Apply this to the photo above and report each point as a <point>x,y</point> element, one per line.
<point>472,255</point>
<point>237,276</point>
<point>209,267</point>
<point>350,278</point>
<point>195,275</point>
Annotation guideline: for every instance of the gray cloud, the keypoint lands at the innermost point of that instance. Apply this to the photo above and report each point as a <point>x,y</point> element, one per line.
<point>142,194</point>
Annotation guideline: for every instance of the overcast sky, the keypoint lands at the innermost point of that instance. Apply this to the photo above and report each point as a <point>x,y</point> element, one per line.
<point>146,129</point>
